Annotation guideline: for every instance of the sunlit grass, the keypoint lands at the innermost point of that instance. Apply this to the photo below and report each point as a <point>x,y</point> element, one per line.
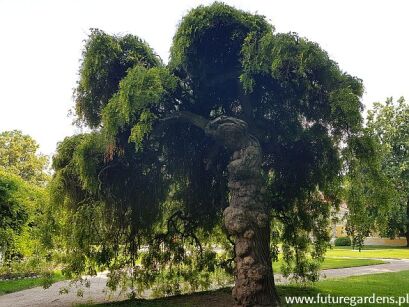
<point>336,263</point>
<point>9,286</point>
<point>370,252</point>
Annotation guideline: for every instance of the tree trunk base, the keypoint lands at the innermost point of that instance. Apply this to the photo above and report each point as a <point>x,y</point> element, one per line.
<point>246,218</point>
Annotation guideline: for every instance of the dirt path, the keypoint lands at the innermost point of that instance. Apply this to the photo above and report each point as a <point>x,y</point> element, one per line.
<point>37,297</point>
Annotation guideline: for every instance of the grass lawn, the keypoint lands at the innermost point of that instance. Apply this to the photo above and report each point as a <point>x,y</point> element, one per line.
<point>370,252</point>
<point>9,286</point>
<point>380,284</point>
<point>337,263</point>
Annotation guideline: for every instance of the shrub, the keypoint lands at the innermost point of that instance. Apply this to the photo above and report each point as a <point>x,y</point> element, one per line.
<point>343,241</point>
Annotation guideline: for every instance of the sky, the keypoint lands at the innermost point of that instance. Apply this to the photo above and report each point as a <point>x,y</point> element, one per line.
<point>41,44</point>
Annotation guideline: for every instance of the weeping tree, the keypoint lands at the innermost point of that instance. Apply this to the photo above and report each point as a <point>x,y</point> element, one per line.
<point>237,137</point>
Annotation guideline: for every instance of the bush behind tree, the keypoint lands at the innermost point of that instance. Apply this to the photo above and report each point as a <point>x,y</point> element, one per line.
<point>343,241</point>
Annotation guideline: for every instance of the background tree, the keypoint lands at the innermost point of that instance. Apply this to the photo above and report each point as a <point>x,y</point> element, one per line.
<point>13,214</point>
<point>388,127</point>
<point>243,126</point>
<point>368,191</point>
<point>18,155</point>
<point>26,219</point>
<point>21,206</point>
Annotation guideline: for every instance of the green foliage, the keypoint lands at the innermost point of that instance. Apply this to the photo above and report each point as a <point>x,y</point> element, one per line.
<point>88,158</point>
<point>27,222</point>
<point>302,75</point>
<point>21,209</point>
<point>13,214</point>
<point>368,192</point>
<point>106,60</point>
<point>66,185</point>
<point>343,241</point>
<point>377,185</point>
<point>100,229</point>
<point>388,122</point>
<point>306,219</point>
<point>141,94</point>
<point>18,155</point>
<point>206,54</point>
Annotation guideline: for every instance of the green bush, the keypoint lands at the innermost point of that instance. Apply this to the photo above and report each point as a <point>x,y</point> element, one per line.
<point>28,267</point>
<point>343,241</point>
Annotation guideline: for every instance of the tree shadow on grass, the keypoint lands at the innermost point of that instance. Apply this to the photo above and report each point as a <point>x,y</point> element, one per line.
<point>216,298</point>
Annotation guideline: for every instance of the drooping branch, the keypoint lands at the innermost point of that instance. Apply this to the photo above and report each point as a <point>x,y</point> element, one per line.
<point>187,117</point>
<point>204,123</point>
<point>188,230</point>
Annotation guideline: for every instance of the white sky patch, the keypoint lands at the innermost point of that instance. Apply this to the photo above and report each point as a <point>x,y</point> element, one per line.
<point>41,44</point>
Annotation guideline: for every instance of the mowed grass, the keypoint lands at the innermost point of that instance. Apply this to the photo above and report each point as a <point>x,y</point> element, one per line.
<point>9,286</point>
<point>384,284</point>
<point>358,286</point>
<point>337,263</point>
<point>329,263</point>
<point>370,252</point>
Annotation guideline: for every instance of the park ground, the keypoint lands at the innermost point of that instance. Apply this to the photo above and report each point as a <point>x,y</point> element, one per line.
<point>381,284</point>
<point>340,262</point>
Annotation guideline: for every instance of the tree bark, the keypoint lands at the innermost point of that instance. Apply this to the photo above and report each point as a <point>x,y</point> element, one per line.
<point>246,218</point>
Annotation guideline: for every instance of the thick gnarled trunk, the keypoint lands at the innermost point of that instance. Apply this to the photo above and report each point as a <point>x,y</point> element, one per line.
<point>246,217</point>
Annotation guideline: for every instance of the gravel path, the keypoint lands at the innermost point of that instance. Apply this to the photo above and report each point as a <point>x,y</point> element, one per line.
<point>37,297</point>
<point>392,265</point>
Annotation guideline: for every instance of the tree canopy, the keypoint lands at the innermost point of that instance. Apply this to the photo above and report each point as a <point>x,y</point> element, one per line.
<point>21,216</point>
<point>383,182</point>
<point>19,155</point>
<point>242,128</point>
